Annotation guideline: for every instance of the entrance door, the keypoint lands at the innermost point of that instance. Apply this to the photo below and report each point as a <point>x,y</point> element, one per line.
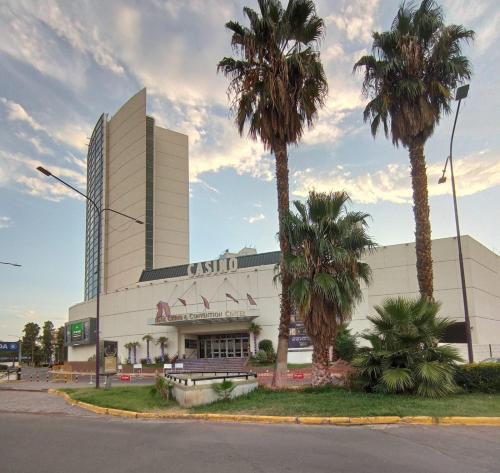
<point>227,345</point>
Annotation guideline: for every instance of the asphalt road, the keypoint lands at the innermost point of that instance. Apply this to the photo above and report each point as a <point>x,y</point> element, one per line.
<point>74,443</point>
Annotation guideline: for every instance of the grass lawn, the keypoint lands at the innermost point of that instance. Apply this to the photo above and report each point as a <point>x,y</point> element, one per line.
<point>309,402</point>
<point>137,399</point>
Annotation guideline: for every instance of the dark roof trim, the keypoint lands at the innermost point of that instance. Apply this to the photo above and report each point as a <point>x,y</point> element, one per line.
<point>249,261</point>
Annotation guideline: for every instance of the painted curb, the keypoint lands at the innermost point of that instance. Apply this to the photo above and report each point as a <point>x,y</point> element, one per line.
<point>304,420</point>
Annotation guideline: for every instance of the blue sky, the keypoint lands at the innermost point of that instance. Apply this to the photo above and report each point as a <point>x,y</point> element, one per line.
<point>65,63</point>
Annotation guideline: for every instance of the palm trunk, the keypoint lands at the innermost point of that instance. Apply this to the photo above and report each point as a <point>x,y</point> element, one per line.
<point>280,371</point>
<point>320,365</point>
<point>422,221</point>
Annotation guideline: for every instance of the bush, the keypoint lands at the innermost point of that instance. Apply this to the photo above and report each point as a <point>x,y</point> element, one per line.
<point>479,378</point>
<point>158,359</point>
<point>266,345</point>
<point>346,344</point>
<point>405,356</point>
<point>224,389</point>
<point>261,356</point>
<point>163,388</point>
<point>144,361</point>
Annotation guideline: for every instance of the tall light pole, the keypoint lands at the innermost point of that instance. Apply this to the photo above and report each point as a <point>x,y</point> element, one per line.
<point>461,94</point>
<point>10,264</point>
<point>98,297</point>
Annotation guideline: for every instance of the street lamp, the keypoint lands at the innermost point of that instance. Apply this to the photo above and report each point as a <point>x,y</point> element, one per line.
<point>98,297</point>
<point>11,264</point>
<point>461,94</point>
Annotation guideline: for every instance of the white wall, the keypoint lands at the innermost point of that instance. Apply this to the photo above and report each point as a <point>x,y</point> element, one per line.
<point>126,312</point>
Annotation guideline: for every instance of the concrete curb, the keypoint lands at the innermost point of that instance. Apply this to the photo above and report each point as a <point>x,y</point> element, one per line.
<point>263,419</point>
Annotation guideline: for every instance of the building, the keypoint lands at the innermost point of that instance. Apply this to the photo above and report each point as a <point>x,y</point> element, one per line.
<point>205,309</point>
<point>138,168</point>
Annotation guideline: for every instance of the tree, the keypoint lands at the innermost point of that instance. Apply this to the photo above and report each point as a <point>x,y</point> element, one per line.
<point>277,84</point>
<point>409,80</point>
<point>47,341</point>
<point>162,341</point>
<point>135,345</point>
<point>30,339</point>
<point>148,339</point>
<point>405,356</point>
<point>59,348</point>
<point>327,242</point>
<point>255,330</point>
<point>129,347</point>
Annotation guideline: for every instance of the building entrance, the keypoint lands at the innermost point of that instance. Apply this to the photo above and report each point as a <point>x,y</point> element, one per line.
<point>226,345</point>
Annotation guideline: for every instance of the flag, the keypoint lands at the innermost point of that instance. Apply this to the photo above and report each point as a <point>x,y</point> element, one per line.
<point>205,302</point>
<point>162,310</point>
<point>229,296</point>
<point>251,299</point>
<point>182,301</point>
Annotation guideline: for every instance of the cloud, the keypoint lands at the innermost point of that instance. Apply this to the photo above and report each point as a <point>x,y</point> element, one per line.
<point>255,218</point>
<point>40,148</point>
<point>5,222</point>
<point>22,171</point>
<point>67,133</point>
<point>473,174</point>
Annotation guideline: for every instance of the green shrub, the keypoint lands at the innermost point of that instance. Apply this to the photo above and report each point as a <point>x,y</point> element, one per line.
<point>479,378</point>
<point>262,356</point>
<point>346,344</point>
<point>224,389</point>
<point>163,388</point>
<point>266,345</point>
<point>405,356</point>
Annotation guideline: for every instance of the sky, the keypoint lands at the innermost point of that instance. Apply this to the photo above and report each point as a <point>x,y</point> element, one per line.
<point>63,63</point>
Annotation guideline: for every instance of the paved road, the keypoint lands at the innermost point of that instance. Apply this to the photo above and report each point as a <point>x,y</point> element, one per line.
<point>76,441</point>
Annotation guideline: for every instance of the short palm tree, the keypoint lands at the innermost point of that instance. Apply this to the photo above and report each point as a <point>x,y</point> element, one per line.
<point>255,329</point>
<point>277,84</point>
<point>135,345</point>
<point>148,339</point>
<point>404,356</point>
<point>129,347</point>
<point>410,78</point>
<point>162,341</point>
<point>327,243</point>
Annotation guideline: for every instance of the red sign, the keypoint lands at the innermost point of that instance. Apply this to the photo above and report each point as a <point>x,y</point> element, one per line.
<point>298,375</point>
<point>125,377</point>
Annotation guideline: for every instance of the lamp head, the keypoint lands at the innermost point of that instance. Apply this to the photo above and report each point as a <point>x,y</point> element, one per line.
<point>462,92</point>
<point>44,171</point>
<point>140,222</point>
<point>442,179</point>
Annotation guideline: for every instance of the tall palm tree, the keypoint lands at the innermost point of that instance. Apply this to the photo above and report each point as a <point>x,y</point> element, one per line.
<point>410,78</point>
<point>255,329</point>
<point>162,341</point>
<point>277,84</point>
<point>327,243</point>
<point>148,339</point>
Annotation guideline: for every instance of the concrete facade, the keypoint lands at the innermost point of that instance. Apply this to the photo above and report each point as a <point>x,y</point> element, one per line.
<point>146,176</point>
<point>129,313</point>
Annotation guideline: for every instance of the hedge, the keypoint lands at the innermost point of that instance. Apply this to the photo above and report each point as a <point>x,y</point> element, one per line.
<point>479,378</point>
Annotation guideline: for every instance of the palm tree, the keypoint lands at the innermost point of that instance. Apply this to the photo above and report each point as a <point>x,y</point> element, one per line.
<point>404,356</point>
<point>148,338</point>
<point>129,347</point>
<point>277,85</point>
<point>135,345</point>
<point>327,242</point>
<point>409,79</point>
<point>255,330</point>
<point>162,341</point>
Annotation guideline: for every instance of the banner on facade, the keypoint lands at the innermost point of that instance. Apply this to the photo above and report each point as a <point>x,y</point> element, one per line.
<point>297,337</point>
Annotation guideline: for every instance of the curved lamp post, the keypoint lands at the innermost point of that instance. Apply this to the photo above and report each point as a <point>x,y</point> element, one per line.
<point>98,297</point>
<point>10,264</point>
<point>461,94</point>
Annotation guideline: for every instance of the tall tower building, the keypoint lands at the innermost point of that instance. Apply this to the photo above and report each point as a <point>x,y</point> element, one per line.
<point>142,170</point>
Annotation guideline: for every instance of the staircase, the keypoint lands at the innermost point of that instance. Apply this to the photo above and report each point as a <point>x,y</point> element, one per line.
<point>212,365</point>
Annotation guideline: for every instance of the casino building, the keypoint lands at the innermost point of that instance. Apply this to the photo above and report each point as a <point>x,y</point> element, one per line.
<point>149,286</point>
